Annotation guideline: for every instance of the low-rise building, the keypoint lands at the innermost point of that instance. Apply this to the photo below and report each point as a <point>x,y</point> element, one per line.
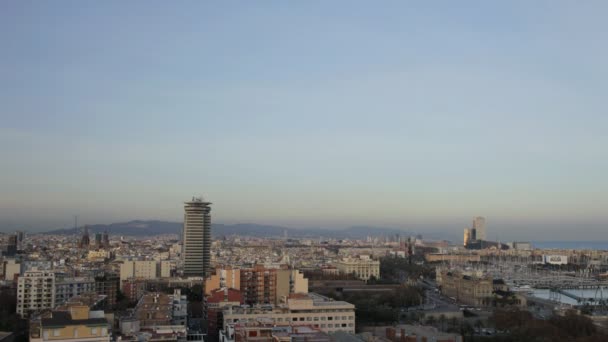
<point>300,309</point>
<point>416,333</point>
<point>75,321</point>
<point>466,289</point>
<point>461,258</point>
<point>154,309</point>
<point>362,267</point>
<point>160,309</point>
<point>214,303</point>
<point>10,269</point>
<point>264,332</point>
<point>98,255</point>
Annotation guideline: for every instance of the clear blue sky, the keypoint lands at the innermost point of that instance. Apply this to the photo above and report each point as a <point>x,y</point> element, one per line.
<point>309,113</point>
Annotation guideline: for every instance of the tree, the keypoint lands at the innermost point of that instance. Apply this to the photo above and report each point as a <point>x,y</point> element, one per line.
<point>453,322</point>
<point>430,320</point>
<point>466,330</point>
<point>442,320</point>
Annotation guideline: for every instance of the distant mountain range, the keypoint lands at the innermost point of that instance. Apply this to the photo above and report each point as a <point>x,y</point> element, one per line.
<point>151,228</point>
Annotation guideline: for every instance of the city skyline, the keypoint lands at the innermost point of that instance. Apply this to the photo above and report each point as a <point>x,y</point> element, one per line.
<point>330,115</point>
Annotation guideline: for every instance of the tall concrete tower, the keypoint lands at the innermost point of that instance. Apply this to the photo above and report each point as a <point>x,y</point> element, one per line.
<point>196,238</point>
<point>85,241</point>
<point>479,224</point>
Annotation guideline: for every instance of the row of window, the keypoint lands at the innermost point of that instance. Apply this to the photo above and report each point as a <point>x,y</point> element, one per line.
<point>94,331</point>
<point>329,318</point>
<point>305,319</point>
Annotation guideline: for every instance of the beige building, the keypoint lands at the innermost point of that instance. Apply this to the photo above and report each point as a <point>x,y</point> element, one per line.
<point>72,322</point>
<point>300,309</point>
<point>224,277</point>
<point>11,268</point>
<point>466,289</point>
<point>362,267</point>
<point>166,267</point>
<point>142,269</point>
<point>100,254</point>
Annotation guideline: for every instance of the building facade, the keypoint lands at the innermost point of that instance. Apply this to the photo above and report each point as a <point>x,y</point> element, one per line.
<point>108,284</point>
<point>35,292</point>
<point>140,269</point>
<point>362,267</point>
<point>215,301</point>
<point>229,277</point>
<point>75,321</point>
<point>66,288</point>
<point>301,309</point>
<point>466,289</point>
<point>263,285</point>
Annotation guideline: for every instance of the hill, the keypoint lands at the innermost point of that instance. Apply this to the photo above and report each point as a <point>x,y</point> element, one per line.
<point>151,228</point>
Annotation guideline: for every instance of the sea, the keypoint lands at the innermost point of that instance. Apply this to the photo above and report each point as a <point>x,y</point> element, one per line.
<point>590,245</point>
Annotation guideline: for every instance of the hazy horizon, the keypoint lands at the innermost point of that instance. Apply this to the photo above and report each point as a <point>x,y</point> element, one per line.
<point>308,114</point>
<point>497,231</point>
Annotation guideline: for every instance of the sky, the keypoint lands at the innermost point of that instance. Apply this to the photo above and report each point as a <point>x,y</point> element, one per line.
<point>412,114</point>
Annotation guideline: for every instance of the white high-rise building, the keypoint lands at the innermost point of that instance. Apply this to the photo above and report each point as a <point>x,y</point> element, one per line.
<point>479,224</point>
<point>196,238</point>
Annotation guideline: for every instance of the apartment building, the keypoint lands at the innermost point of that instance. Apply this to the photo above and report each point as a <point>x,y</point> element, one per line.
<point>145,269</point>
<point>229,277</point>
<point>180,308</point>
<point>108,284</point>
<point>299,310</point>
<point>75,321</point>
<point>261,285</point>
<point>133,289</point>
<point>35,291</point>
<point>215,301</point>
<point>68,287</point>
<point>160,309</point>
<point>154,309</point>
<point>363,267</point>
